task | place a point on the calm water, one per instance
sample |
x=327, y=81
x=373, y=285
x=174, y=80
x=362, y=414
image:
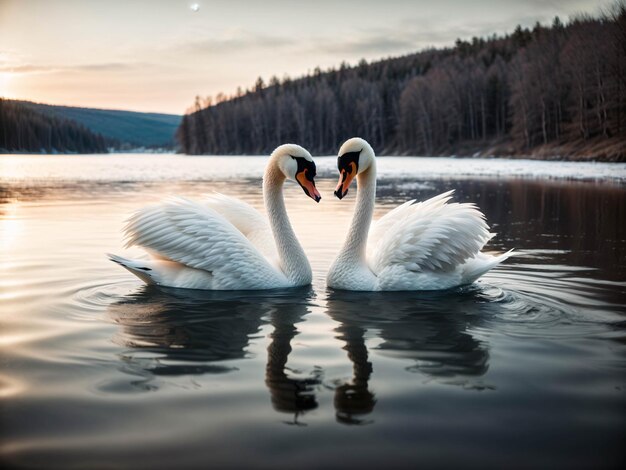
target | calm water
x=525, y=367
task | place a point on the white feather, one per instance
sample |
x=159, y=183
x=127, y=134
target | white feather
x=427, y=236
x=196, y=236
x=222, y=243
x=429, y=245
x=249, y=221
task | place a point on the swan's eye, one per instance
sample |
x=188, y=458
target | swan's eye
x=305, y=175
x=305, y=167
x=349, y=162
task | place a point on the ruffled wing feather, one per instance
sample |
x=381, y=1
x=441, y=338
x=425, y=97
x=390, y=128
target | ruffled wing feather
x=249, y=221
x=433, y=235
x=197, y=236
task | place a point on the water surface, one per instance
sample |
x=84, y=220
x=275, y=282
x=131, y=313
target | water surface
x=523, y=368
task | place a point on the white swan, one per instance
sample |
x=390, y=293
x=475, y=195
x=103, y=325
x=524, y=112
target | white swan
x=429, y=245
x=224, y=243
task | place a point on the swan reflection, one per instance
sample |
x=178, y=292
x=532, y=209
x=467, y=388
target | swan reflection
x=353, y=399
x=432, y=330
x=289, y=394
x=174, y=333
x=192, y=332
x=171, y=332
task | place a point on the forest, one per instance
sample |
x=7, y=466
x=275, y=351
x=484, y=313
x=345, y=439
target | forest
x=23, y=129
x=551, y=91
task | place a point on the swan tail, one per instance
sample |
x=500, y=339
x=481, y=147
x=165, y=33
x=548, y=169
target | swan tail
x=139, y=268
x=481, y=264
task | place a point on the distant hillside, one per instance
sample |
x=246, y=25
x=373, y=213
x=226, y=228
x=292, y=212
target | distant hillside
x=554, y=91
x=128, y=127
x=24, y=129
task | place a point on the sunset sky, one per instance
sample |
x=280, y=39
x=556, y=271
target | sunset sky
x=156, y=55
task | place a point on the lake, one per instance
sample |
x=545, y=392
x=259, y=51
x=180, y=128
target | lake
x=526, y=367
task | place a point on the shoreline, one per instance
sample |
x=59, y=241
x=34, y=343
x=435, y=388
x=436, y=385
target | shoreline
x=597, y=150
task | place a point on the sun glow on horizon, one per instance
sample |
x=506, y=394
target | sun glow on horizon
x=5, y=80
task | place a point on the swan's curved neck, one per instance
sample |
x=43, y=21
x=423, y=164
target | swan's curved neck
x=293, y=261
x=356, y=241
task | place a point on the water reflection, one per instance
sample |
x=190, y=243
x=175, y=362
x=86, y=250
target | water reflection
x=177, y=333
x=433, y=330
x=172, y=332
x=547, y=329
x=353, y=400
x=289, y=394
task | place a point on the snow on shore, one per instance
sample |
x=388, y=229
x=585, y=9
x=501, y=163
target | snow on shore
x=170, y=167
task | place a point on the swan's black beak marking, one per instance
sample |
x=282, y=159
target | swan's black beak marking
x=305, y=176
x=348, y=166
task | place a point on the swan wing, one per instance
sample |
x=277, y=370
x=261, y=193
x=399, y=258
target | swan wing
x=245, y=218
x=199, y=237
x=380, y=227
x=433, y=235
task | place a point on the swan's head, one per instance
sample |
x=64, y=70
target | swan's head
x=297, y=165
x=355, y=156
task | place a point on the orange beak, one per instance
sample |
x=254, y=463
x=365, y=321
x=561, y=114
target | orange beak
x=345, y=178
x=308, y=186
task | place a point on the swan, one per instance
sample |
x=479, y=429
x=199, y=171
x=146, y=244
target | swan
x=224, y=243
x=429, y=245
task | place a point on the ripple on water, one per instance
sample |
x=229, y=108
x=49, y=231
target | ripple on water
x=524, y=299
x=169, y=333
x=527, y=299
x=165, y=333
x=95, y=297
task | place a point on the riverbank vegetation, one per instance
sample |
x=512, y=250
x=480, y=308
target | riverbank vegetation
x=23, y=129
x=556, y=91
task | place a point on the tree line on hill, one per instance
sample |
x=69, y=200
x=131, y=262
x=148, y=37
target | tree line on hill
x=551, y=90
x=23, y=129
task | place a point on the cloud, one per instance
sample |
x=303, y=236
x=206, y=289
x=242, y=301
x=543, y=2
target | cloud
x=107, y=67
x=232, y=41
x=367, y=44
x=414, y=34
x=27, y=68
x=103, y=67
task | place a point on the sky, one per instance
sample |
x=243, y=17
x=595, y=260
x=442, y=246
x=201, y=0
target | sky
x=157, y=55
